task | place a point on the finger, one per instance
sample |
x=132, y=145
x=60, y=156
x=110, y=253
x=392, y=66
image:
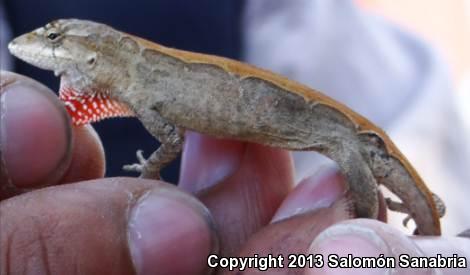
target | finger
x=292, y=236
x=252, y=180
x=315, y=203
x=318, y=202
x=88, y=158
x=35, y=139
x=320, y=190
x=370, y=238
x=206, y=161
x=36, y=144
x=108, y=226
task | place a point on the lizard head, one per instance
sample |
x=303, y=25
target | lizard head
x=86, y=56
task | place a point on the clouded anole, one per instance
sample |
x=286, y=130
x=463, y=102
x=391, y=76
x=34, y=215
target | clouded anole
x=107, y=73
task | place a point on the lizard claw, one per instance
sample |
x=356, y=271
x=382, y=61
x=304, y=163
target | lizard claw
x=406, y=220
x=136, y=167
x=399, y=207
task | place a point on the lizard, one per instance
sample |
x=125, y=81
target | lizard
x=108, y=73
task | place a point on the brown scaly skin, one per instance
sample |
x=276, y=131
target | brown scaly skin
x=170, y=90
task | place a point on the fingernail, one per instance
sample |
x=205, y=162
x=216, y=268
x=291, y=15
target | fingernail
x=320, y=190
x=206, y=161
x=170, y=234
x=34, y=136
x=342, y=240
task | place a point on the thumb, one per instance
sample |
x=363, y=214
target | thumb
x=108, y=226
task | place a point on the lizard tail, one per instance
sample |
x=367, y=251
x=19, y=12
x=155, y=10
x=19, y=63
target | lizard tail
x=391, y=169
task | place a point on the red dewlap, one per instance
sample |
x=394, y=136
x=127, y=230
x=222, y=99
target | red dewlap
x=87, y=107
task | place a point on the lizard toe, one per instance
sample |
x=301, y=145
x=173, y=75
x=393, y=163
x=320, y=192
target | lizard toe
x=133, y=167
x=140, y=157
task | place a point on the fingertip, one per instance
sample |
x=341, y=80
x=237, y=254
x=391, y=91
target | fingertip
x=319, y=190
x=208, y=160
x=446, y=245
x=107, y=226
x=348, y=238
x=253, y=190
x=88, y=158
x=361, y=238
x=35, y=133
x=292, y=236
x=185, y=234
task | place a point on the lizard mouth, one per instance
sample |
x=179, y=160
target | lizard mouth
x=91, y=106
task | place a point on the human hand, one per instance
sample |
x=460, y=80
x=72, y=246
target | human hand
x=119, y=225
x=88, y=227
x=313, y=218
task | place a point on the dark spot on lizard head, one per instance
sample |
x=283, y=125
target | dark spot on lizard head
x=373, y=138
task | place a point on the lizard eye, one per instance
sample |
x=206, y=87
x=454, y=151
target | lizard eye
x=91, y=60
x=53, y=36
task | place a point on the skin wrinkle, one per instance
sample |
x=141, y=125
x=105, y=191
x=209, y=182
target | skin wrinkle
x=45, y=253
x=8, y=254
x=228, y=99
x=32, y=245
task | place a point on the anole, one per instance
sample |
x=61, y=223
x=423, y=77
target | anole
x=107, y=73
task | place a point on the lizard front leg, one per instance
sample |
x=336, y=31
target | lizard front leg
x=171, y=138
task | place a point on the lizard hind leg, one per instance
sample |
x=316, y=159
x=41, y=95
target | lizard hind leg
x=362, y=186
x=400, y=207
